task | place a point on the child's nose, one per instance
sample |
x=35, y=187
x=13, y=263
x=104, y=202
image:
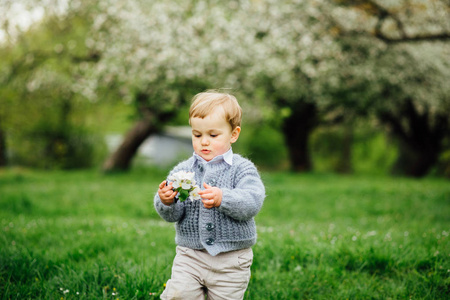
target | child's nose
x=205, y=141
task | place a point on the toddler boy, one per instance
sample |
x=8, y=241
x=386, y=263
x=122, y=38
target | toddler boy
x=214, y=235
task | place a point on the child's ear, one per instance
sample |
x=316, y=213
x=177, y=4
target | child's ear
x=235, y=134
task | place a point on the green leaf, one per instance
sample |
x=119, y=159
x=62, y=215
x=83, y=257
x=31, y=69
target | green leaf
x=183, y=195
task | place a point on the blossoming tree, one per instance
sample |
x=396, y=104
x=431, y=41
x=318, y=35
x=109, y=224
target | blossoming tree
x=397, y=68
x=284, y=45
x=307, y=59
x=299, y=53
x=43, y=52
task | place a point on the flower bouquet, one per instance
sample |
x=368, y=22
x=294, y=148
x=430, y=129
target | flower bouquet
x=183, y=182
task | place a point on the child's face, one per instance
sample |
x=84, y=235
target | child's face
x=212, y=135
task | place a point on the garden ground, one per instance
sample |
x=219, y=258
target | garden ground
x=84, y=235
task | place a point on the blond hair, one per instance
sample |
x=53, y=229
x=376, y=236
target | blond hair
x=204, y=103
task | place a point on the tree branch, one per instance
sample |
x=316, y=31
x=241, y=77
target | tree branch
x=375, y=9
x=419, y=38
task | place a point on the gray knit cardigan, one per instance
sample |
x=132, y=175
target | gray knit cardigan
x=231, y=226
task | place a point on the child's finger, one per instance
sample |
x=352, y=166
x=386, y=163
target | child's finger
x=205, y=192
x=206, y=185
x=167, y=188
x=162, y=184
x=207, y=195
x=169, y=193
x=208, y=203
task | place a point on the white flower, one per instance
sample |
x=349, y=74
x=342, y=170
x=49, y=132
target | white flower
x=183, y=179
x=188, y=181
x=184, y=183
x=194, y=195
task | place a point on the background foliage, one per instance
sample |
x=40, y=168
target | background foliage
x=300, y=68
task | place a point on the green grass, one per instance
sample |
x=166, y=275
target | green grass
x=82, y=235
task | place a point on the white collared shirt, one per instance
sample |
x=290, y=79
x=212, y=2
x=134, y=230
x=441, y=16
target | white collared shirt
x=227, y=157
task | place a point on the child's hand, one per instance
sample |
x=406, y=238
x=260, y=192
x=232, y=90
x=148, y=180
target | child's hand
x=166, y=194
x=211, y=196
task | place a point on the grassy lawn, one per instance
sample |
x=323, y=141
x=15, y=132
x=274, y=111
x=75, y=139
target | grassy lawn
x=82, y=235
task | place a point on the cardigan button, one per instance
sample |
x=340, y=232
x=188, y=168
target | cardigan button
x=200, y=168
x=209, y=226
x=210, y=241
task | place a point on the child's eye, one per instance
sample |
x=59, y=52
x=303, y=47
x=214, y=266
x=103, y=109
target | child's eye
x=213, y=135
x=197, y=135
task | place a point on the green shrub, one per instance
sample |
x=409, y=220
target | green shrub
x=358, y=149
x=328, y=148
x=51, y=147
x=443, y=165
x=264, y=145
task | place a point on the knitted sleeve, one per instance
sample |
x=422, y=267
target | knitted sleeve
x=175, y=211
x=245, y=200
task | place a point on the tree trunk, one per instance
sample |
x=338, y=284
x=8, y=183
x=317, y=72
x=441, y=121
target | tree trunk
x=296, y=130
x=121, y=159
x=420, y=138
x=415, y=162
x=152, y=118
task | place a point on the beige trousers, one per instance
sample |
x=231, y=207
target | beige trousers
x=195, y=273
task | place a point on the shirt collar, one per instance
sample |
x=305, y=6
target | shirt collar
x=227, y=157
